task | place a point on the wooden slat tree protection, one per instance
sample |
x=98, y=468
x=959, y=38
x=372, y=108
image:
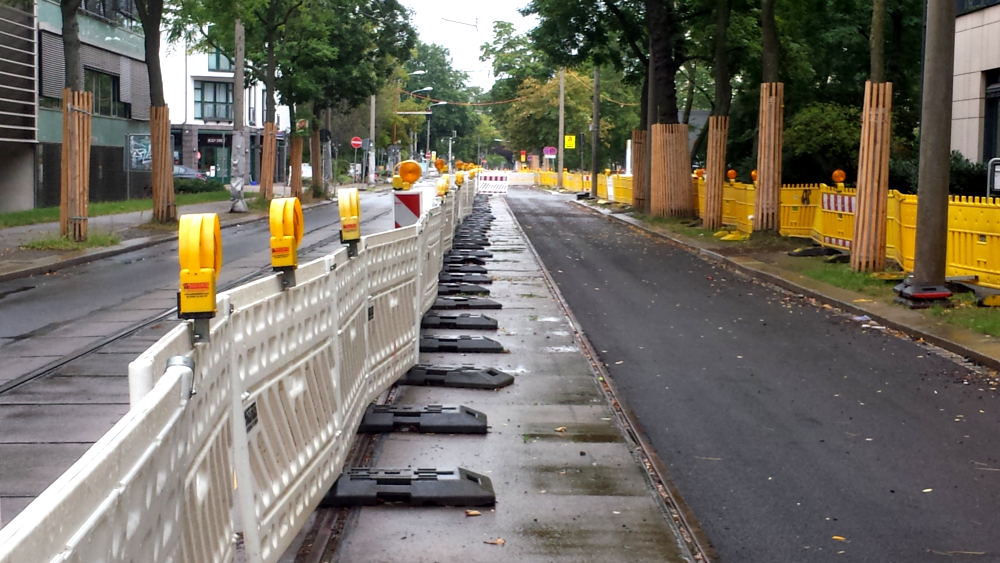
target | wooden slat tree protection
x=680, y=199
x=715, y=170
x=75, y=181
x=164, y=208
x=267, y=160
x=639, y=148
x=868, y=246
x=767, y=205
x=658, y=197
x=296, y=158
x=316, y=159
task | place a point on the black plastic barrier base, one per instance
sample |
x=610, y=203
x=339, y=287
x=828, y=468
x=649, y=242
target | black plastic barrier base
x=465, y=269
x=461, y=289
x=445, y=277
x=462, y=377
x=467, y=253
x=463, y=260
x=460, y=321
x=452, y=303
x=460, y=344
x=362, y=486
x=439, y=419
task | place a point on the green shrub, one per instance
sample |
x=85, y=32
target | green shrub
x=967, y=178
x=195, y=186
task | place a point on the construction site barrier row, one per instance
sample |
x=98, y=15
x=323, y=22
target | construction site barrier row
x=248, y=431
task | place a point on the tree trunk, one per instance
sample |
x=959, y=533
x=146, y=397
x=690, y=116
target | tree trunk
x=723, y=90
x=269, y=149
x=644, y=102
x=878, y=42
x=689, y=100
x=664, y=45
x=296, y=157
x=316, y=159
x=152, y=44
x=769, y=29
x=151, y=16
x=71, y=45
x=270, y=80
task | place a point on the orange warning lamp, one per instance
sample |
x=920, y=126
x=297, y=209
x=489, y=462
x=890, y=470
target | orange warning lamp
x=753, y=175
x=700, y=173
x=440, y=164
x=459, y=164
x=407, y=174
x=731, y=174
x=839, y=176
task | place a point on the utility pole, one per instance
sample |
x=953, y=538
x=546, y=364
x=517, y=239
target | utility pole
x=237, y=174
x=935, y=155
x=371, y=147
x=449, y=151
x=327, y=154
x=428, y=151
x=595, y=132
x=652, y=116
x=562, y=122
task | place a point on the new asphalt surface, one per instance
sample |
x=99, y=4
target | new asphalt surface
x=792, y=432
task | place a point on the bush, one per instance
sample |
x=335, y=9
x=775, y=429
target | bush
x=967, y=178
x=195, y=186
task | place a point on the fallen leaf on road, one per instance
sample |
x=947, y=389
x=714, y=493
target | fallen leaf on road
x=839, y=538
x=473, y=513
x=619, y=363
x=498, y=541
x=561, y=429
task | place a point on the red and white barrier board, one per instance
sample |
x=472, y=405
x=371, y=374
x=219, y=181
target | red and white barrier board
x=493, y=182
x=409, y=205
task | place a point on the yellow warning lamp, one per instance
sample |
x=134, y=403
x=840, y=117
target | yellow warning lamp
x=287, y=227
x=442, y=186
x=407, y=173
x=440, y=164
x=459, y=178
x=459, y=165
x=753, y=175
x=838, y=177
x=199, y=242
x=731, y=175
x=350, y=218
x=607, y=171
x=472, y=172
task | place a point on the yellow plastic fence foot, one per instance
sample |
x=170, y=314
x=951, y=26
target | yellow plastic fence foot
x=736, y=237
x=720, y=234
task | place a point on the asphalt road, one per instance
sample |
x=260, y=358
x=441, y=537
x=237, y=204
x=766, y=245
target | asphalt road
x=782, y=424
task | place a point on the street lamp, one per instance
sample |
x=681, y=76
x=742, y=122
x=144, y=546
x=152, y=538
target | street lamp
x=427, y=89
x=429, y=125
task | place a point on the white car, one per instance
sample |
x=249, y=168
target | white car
x=307, y=171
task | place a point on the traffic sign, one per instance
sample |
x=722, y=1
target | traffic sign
x=550, y=151
x=570, y=142
x=356, y=142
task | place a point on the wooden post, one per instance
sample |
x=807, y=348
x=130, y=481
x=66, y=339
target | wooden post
x=767, y=205
x=715, y=171
x=296, y=180
x=639, y=148
x=268, y=158
x=75, y=179
x=679, y=197
x=315, y=158
x=658, y=197
x=868, y=246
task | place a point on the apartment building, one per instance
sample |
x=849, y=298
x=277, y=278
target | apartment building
x=975, y=125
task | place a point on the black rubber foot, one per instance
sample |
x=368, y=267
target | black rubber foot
x=460, y=321
x=453, y=303
x=462, y=377
x=438, y=419
x=460, y=344
x=363, y=486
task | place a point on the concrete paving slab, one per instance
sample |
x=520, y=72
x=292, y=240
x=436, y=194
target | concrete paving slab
x=74, y=390
x=45, y=346
x=568, y=486
x=14, y=367
x=57, y=423
x=113, y=315
x=90, y=329
x=11, y=506
x=106, y=365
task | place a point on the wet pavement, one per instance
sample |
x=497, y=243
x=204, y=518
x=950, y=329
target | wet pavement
x=567, y=484
x=48, y=422
x=792, y=432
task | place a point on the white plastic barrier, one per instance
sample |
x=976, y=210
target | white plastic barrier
x=279, y=392
x=521, y=179
x=492, y=182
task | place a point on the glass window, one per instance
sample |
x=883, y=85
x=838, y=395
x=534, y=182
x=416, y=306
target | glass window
x=218, y=61
x=107, y=94
x=213, y=101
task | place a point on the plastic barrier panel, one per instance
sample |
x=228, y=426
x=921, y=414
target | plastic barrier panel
x=623, y=189
x=798, y=209
x=492, y=182
x=526, y=179
x=836, y=225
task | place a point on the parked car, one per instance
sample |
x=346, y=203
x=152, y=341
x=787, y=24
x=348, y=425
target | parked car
x=188, y=173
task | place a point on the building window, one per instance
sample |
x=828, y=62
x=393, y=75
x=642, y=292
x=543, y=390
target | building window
x=213, y=101
x=218, y=61
x=107, y=94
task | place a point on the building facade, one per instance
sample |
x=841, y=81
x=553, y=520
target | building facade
x=18, y=106
x=201, y=112
x=975, y=129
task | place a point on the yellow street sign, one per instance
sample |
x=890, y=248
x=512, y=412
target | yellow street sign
x=570, y=142
x=199, y=241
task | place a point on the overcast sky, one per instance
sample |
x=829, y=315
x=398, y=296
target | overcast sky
x=464, y=41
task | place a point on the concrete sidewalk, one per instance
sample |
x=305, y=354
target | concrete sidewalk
x=568, y=480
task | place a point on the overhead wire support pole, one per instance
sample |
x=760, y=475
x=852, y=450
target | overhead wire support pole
x=595, y=132
x=562, y=123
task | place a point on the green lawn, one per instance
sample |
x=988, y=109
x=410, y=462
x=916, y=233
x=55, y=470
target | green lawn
x=966, y=313
x=51, y=214
x=56, y=242
x=842, y=276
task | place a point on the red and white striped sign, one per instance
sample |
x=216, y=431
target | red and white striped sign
x=839, y=203
x=492, y=182
x=406, y=208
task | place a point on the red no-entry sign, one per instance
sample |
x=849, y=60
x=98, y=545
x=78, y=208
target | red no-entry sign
x=356, y=142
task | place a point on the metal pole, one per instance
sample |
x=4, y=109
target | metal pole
x=428, y=151
x=935, y=145
x=562, y=123
x=449, y=154
x=371, y=147
x=237, y=176
x=596, y=132
x=652, y=116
